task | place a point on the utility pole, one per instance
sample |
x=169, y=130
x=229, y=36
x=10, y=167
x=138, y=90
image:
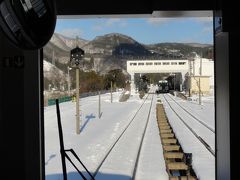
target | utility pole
x=174, y=76
x=190, y=77
x=77, y=102
x=200, y=75
x=69, y=84
x=193, y=68
x=99, y=105
x=111, y=93
x=53, y=57
x=76, y=60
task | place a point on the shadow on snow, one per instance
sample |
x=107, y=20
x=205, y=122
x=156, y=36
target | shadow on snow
x=76, y=176
x=88, y=118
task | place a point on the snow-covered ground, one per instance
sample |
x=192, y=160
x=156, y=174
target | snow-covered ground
x=99, y=134
x=203, y=161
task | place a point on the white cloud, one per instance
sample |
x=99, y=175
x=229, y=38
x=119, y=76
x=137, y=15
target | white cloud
x=98, y=28
x=207, y=29
x=187, y=40
x=159, y=21
x=113, y=21
x=71, y=32
x=207, y=24
x=117, y=22
x=204, y=19
x=198, y=37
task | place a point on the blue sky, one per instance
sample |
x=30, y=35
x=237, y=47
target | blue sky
x=144, y=30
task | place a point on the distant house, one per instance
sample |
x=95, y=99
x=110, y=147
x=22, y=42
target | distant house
x=201, y=83
x=206, y=77
x=207, y=69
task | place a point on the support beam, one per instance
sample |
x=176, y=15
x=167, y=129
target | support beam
x=133, y=87
x=21, y=112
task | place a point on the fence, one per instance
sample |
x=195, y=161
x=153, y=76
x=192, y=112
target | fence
x=62, y=99
x=51, y=102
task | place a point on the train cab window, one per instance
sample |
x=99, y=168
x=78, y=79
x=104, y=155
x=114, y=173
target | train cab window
x=148, y=63
x=127, y=105
x=133, y=64
x=165, y=63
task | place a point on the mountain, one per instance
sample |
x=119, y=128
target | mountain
x=181, y=50
x=67, y=43
x=59, y=47
x=107, y=51
x=54, y=76
x=111, y=51
x=115, y=44
x=198, y=45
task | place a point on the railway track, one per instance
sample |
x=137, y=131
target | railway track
x=203, y=141
x=118, y=147
x=194, y=117
x=178, y=163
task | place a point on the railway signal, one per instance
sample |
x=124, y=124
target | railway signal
x=76, y=60
x=200, y=76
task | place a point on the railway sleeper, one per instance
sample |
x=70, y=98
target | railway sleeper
x=180, y=170
x=163, y=123
x=178, y=163
x=170, y=148
x=166, y=131
x=173, y=155
x=165, y=127
x=182, y=178
x=166, y=141
x=177, y=166
x=166, y=135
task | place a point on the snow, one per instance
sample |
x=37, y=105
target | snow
x=152, y=164
x=203, y=161
x=122, y=159
x=53, y=73
x=127, y=92
x=206, y=134
x=98, y=135
x=205, y=111
x=47, y=66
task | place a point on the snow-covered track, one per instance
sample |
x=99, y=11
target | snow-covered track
x=142, y=139
x=178, y=163
x=191, y=114
x=204, y=141
x=115, y=153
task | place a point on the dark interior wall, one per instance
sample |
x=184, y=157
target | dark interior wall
x=230, y=12
x=33, y=116
x=222, y=106
x=11, y=113
x=19, y=88
x=75, y=7
x=20, y=112
x=230, y=22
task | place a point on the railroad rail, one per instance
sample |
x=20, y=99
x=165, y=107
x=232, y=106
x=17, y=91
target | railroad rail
x=194, y=117
x=114, y=145
x=201, y=140
x=178, y=163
